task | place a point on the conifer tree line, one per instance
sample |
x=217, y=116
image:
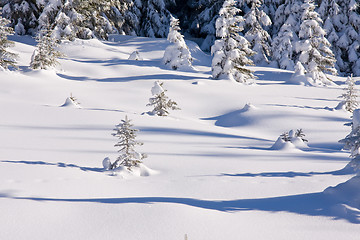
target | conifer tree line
x=277, y=31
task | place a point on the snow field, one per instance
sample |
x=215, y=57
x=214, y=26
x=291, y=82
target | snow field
x=217, y=176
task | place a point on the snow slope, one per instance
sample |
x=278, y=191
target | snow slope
x=216, y=174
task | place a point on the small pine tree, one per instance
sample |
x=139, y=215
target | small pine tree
x=350, y=96
x=177, y=55
x=45, y=54
x=160, y=101
x=300, y=134
x=6, y=58
x=285, y=136
x=231, y=51
x=352, y=141
x=127, y=141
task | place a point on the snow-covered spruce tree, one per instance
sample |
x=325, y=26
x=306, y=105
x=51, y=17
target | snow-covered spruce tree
x=283, y=45
x=127, y=141
x=287, y=9
x=315, y=53
x=177, y=55
x=342, y=25
x=350, y=96
x=125, y=15
x=6, y=58
x=231, y=52
x=62, y=18
x=258, y=38
x=352, y=141
x=155, y=18
x=23, y=15
x=46, y=53
x=198, y=19
x=162, y=104
x=93, y=18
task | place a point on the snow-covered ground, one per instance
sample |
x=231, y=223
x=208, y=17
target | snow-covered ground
x=216, y=175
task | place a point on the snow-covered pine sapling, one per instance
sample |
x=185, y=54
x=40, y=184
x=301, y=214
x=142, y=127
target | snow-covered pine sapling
x=160, y=101
x=6, y=58
x=46, y=53
x=352, y=141
x=177, y=55
x=350, y=96
x=74, y=99
x=231, y=51
x=127, y=141
x=135, y=55
x=300, y=134
x=285, y=136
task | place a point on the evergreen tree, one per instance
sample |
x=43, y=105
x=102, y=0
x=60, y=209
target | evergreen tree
x=23, y=15
x=342, y=25
x=94, y=18
x=125, y=15
x=283, y=45
x=45, y=54
x=162, y=104
x=6, y=58
x=155, y=18
x=289, y=11
x=350, y=96
x=127, y=141
x=258, y=38
x=352, y=141
x=177, y=55
x=315, y=53
x=231, y=51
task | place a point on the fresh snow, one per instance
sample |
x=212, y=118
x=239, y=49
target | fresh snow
x=210, y=171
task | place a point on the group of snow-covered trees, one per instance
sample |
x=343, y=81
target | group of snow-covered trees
x=322, y=35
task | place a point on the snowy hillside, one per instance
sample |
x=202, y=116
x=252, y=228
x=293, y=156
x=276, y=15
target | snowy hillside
x=213, y=172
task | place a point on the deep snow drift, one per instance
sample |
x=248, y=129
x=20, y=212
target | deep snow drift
x=210, y=171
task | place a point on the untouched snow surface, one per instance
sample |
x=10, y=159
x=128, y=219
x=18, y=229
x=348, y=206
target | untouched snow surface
x=216, y=174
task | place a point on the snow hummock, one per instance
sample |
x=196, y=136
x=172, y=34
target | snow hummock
x=293, y=143
x=135, y=56
x=347, y=193
x=140, y=170
x=70, y=102
x=106, y=163
x=282, y=145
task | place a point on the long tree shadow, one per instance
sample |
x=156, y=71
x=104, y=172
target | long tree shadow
x=312, y=204
x=176, y=131
x=59, y=164
x=151, y=77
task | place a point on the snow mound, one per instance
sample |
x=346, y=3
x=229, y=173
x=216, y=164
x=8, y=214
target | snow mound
x=353, y=167
x=106, y=163
x=70, y=102
x=135, y=56
x=137, y=171
x=347, y=192
x=237, y=118
x=300, y=79
x=341, y=106
x=282, y=145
